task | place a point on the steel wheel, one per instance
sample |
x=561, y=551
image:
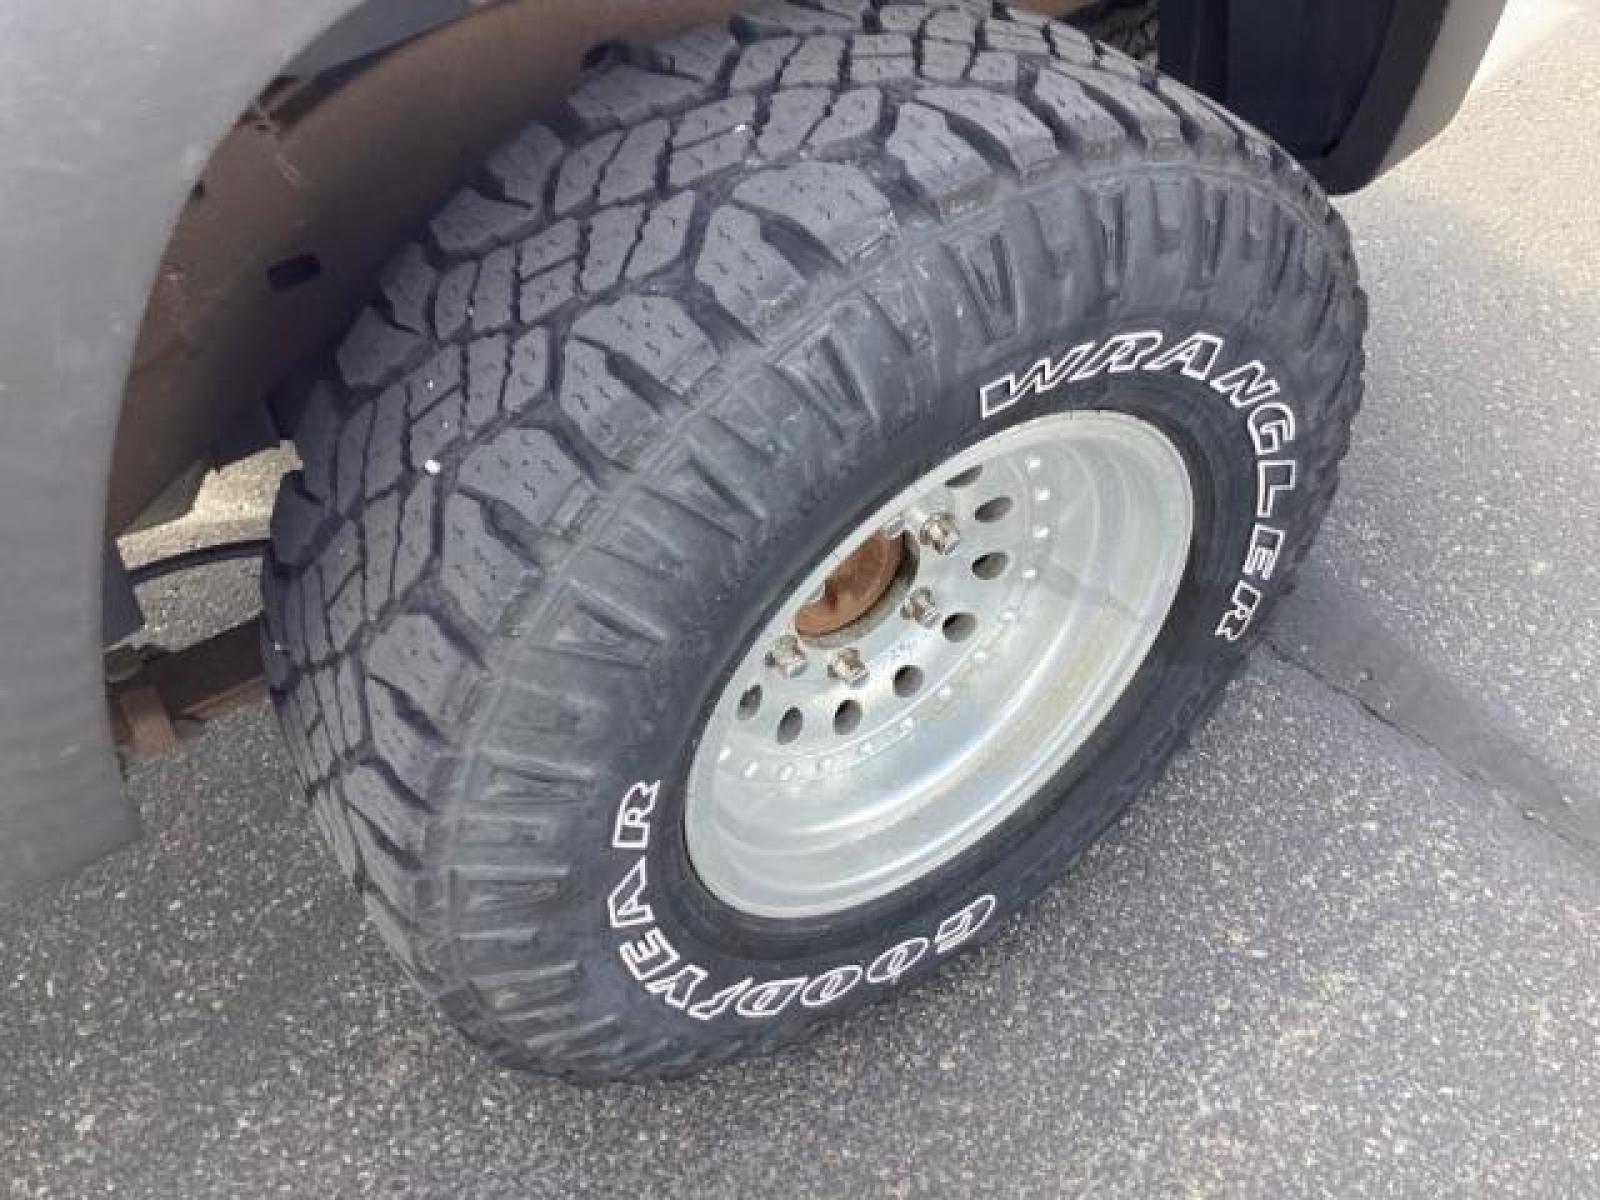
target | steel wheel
x=940, y=666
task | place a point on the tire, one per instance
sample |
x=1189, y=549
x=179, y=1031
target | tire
x=639, y=378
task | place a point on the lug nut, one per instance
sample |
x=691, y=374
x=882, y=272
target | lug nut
x=846, y=666
x=919, y=607
x=786, y=657
x=939, y=531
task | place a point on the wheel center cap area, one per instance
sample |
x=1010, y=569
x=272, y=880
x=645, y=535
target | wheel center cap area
x=854, y=588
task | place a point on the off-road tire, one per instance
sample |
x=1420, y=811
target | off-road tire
x=629, y=384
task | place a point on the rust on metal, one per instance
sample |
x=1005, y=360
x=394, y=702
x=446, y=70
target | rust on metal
x=169, y=696
x=854, y=588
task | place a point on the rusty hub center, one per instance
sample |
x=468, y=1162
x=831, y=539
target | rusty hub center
x=855, y=586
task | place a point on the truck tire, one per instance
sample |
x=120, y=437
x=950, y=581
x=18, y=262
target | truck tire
x=785, y=509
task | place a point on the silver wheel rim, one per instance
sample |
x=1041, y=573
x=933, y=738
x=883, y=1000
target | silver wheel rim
x=1041, y=565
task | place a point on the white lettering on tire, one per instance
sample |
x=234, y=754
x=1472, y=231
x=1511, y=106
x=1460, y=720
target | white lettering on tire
x=650, y=957
x=1248, y=387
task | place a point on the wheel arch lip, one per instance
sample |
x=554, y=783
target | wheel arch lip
x=112, y=111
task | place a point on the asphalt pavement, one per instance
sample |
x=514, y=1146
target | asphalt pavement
x=1349, y=947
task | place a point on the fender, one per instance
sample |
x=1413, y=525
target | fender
x=79, y=257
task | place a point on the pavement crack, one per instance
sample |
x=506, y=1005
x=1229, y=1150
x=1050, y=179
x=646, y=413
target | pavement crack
x=1328, y=631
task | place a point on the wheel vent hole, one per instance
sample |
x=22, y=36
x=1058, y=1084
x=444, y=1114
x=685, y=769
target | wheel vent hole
x=750, y=702
x=907, y=681
x=993, y=510
x=990, y=566
x=959, y=626
x=966, y=478
x=790, y=725
x=846, y=717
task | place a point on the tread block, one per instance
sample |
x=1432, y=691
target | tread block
x=416, y=658
x=550, y=248
x=411, y=756
x=626, y=95
x=487, y=365
x=316, y=442
x=472, y=223
x=433, y=433
x=952, y=25
x=495, y=290
x=698, y=53
x=902, y=18
x=816, y=62
x=791, y=115
x=545, y=293
x=998, y=68
x=386, y=449
x=945, y=62
x=662, y=237
x=1156, y=125
x=380, y=533
x=759, y=64
x=711, y=119
x=873, y=45
x=612, y=233
x=837, y=206
x=656, y=335
x=1087, y=127
x=435, y=379
x=351, y=461
x=853, y=118
x=1069, y=44
x=375, y=351
x=368, y=793
x=580, y=173
x=407, y=286
x=523, y=166
x=632, y=171
x=529, y=375
x=869, y=71
x=768, y=17
x=452, y=304
x=415, y=546
x=477, y=569
x=609, y=412
x=703, y=159
x=999, y=34
x=296, y=521
x=527, y=473
x=942, y=167
x=754, y=284
x=1000, y=121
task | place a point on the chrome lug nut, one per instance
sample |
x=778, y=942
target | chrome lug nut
x=919, y=607
x=940, y=533
x=846, y=666
x=786, y=656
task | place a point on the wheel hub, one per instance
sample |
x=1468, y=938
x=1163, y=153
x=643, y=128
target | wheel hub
x=934, y=672
x=854, y=588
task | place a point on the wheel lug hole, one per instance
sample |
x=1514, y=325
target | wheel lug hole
x=750, y=702
x=958, y=627
x=790, y=726
x=846, y=718
x=991, y=565
x=908, y=681
x=993, y=510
